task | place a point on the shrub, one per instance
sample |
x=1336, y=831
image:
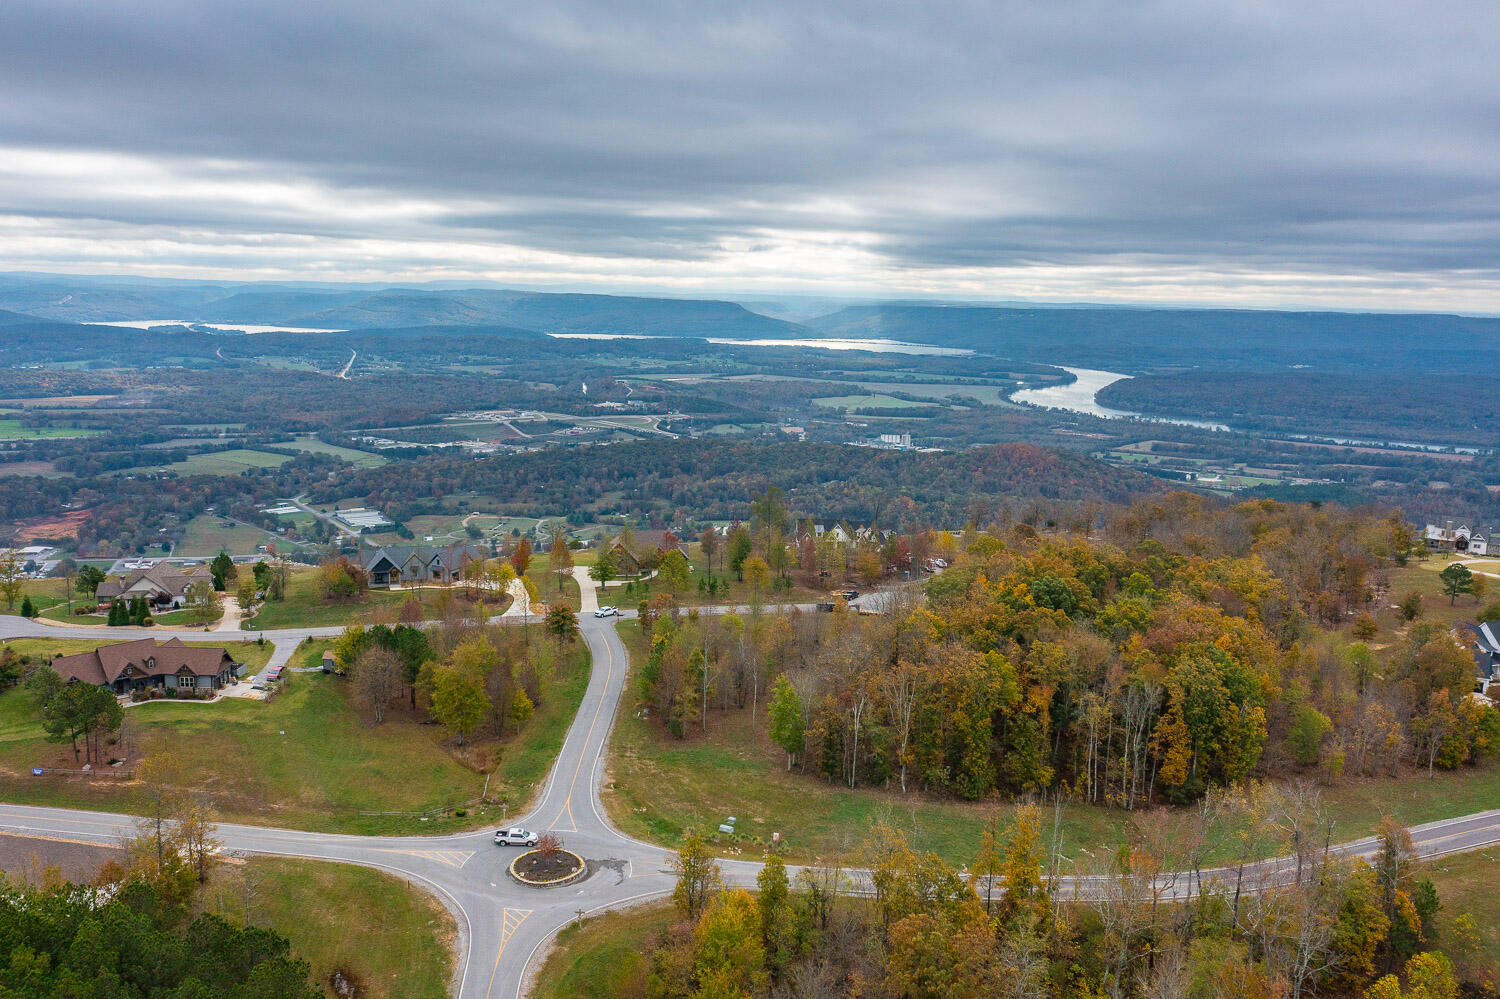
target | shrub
x=459, y=813
x=548, y=845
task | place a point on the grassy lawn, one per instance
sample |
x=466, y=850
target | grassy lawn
x=252, y=654
x=658, y=787
x=603, y=955
x=396, y=939
x=359, y=459
x=540, y=573
x=173, y=619
x=330, y=764
x=59, y=612
x=303, y=607
x=186, y=618
x=206, y=536
x=1466, y=884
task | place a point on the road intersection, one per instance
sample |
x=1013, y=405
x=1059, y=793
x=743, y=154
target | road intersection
x=504, y=927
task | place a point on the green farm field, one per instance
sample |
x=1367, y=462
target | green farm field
x=15, y=430
x=359, y=459
x=232, y=462
x=873, y=401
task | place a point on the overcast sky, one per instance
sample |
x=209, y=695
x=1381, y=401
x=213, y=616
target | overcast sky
x=1224, y=151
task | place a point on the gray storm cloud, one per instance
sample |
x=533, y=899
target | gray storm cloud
x=1241, y=151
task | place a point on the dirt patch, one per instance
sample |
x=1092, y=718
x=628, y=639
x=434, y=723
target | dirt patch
x=28, y=857
x=345, y=984
x=64, y=525
x=27, y=468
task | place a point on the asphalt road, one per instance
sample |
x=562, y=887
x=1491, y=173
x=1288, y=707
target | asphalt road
x=503, y=926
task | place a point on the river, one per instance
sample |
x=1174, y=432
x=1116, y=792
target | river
x=1080, y=397
x=874, y=345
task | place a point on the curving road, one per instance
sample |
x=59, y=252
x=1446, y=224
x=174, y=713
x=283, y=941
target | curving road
x=503, y=926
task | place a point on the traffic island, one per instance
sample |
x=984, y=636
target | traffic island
x=548, y=868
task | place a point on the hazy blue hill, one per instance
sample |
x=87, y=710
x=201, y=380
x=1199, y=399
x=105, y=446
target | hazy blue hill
x=271, y=308
x=82, y=304
x=549, y=313
x=18, y=319
x=1143, y=340
x=391, y=310
x=564, y=313
x=476, y=330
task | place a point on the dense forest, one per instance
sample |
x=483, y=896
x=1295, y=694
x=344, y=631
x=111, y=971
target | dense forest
x=701, y=479
x=1420, y=407
x=1007, y=927
x=1182, y=648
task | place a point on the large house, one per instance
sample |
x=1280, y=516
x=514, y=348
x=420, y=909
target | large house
x=146, y=663
x=1455, y=539
x=162, y=585
x=1484, y=645
x=395, y=565
x=650, y=546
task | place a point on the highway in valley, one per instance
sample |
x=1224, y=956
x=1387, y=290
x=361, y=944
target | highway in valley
x=504, y=927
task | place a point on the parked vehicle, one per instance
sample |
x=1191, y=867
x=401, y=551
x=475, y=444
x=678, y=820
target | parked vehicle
x=847, y=594
x=607, y=611
x=515, y=836
x=826, y=607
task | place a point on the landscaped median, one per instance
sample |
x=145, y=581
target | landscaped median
x=548, y=867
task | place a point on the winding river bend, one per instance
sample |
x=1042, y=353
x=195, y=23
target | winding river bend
x=1080, y=397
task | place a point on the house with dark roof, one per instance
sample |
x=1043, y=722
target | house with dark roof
x=649, y=547
x=162, y=585
x=1483, y=641
x=397, y=565
x=146, y=663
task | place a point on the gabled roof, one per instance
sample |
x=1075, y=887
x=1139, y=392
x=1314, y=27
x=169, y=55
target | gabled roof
x=450, y=557
x=108, y=663
x=163, y=576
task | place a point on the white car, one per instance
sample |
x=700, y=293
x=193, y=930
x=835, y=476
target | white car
x=607, y=611
x=515, y=837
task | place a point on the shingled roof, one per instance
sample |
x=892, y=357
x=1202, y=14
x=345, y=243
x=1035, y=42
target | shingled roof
x=108, y=663
x=165, y=577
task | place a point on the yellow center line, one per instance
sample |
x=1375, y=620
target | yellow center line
x=510, y=921
x=609, y=667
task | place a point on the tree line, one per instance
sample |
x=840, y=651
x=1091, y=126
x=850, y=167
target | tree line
x=1186, y=647
x=1007, y=927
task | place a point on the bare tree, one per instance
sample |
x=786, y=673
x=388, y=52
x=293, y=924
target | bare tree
x=377, y=679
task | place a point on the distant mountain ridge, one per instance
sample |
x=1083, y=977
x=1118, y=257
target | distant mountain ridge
x=514, y=312
x=1137, y=341
x=552, y=313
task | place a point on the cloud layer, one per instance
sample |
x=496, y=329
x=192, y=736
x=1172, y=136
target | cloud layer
x=1255, y=152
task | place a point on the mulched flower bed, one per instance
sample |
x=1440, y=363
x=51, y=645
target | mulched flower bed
x=534, y=866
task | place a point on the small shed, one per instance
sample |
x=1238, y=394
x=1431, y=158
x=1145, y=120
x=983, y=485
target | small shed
x=329, y=663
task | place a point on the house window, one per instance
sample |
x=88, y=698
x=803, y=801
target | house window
x=171, y=681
